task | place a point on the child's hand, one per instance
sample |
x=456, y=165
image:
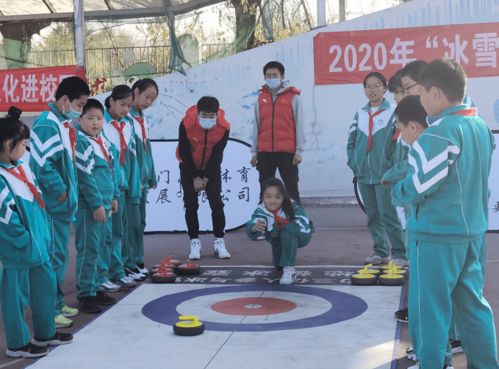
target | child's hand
x=198, y=184
x=205, y=181
x=259, y=226
x=297, y=159
x=63, y=197
x=99, y=214
x=114, y=206
x=253, y=161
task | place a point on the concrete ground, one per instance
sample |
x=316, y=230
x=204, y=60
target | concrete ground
x=341, y=238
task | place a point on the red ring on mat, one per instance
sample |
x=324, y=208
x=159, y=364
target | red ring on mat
x=253, y=306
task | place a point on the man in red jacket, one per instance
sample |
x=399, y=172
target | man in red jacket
x=278, y=137
x=203, y=135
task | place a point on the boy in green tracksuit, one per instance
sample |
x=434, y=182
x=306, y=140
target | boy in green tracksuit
x=371, y=143
x=283, y=223
x=145, y=92
x=447, y=186
x=27, y=275
x=119, y=131
x=52, y=145
x=98, y=198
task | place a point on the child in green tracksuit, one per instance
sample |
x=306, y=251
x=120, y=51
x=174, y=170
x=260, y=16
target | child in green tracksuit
x=27, y=274
x=284, y=224
x=145, y=92
x=119, y=131
x=52, y=149
x=447, y=187
x=98, y=198
x=371, y=142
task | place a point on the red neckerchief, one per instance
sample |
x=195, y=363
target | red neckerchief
x=281, y=222
x=371, y=126
x=468, y=112
x=72, y=136
x=123, y=146
x=104, y=151
x=22, y=176
x=143, y=129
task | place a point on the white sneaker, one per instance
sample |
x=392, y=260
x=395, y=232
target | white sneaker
x=411, y=355
x=109, y=287
x=195, y=249
x=219, y=249
x=288, y=275
x=417, y=366
x=401, y=263
x=143, y=270
x=374, y=260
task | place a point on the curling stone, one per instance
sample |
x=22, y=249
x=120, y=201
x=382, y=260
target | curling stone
x=188, y=325
x=188, y=268
x=367, y=269
x=168, y=261
x=163, y=275
x=363, y=278
x=391, y=279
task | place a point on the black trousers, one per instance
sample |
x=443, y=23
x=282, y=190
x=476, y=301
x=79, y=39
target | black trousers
x=269, y=162
x=191, y=204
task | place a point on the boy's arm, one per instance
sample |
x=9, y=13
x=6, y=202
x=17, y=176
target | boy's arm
x=46, y=148
x=300, y=131
x=352, y=140
x=87, y=183
x=429, y=160
x=13, y=233
x=256, y=126
x=401, y=165
x=213, y=165
x=184, y=151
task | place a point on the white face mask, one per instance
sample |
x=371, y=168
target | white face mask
x=273, y=83
x=207, y=123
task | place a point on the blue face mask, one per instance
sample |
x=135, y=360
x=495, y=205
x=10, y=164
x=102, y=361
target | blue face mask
x=73, y=114
x=273, y=83
x=207, y=123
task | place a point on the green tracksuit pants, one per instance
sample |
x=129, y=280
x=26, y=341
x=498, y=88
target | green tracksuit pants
x=119, y=226
x=90, y=243
x=105, y=254
x=285, y=245
x=133, y=240
x=40, y=292
x=382, y=219
x=58, y=253
x=447, y=281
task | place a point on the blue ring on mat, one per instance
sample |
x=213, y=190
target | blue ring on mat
x=343, y=307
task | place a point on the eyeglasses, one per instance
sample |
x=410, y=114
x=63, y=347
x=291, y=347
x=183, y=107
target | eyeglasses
x=407, y=89
x=372, y=87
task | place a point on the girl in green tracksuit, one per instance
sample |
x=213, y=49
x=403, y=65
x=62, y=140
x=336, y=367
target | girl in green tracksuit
x=145, y=92
x=52, y=160
x=447, y=188
x=371, y=143
x=98, y=198
x=284, y=224
x=118, y=129
x=27, y=275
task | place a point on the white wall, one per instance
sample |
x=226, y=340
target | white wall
x=328, y=109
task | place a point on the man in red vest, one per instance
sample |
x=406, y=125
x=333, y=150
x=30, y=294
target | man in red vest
x=278, y=137
x=203, y=135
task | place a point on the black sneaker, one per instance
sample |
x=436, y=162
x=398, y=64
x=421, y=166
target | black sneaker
x=89, y=305
x=57, y=339
x=103, y=298
x=135, y=274
x=456, y=346
x=29, y=351
x=402, y=315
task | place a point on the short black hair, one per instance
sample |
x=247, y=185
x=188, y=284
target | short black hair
x=92, y=104
x=208, y=104
x=274, y=64
x=378, y=75
x=73, y=87
x=448, y=76
x=413, y=69
x=119, y=92
x=11, y=128
x=411, y=110
x=395, y=82
x=143, y=84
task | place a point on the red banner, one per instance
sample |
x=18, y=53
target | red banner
x=347, y=57
x=30, y=89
